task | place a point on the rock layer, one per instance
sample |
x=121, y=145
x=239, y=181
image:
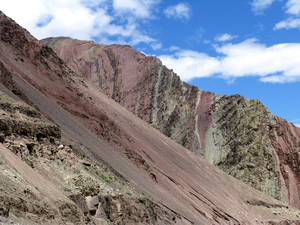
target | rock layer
x=236, y=134
x=141, y=84
x=242, y=147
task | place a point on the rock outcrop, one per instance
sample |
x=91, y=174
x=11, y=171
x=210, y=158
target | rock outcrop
x=236, y=134
x=97, y=163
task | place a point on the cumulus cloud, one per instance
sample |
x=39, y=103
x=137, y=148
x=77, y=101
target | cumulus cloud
x=225, y=37
x=180, y=11
x=83, y=19
x=258, y=6
x=276, y=64
x=293, y=9
x=190, y=64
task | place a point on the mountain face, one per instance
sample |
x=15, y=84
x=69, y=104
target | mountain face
x=238, y=135
x=69, y=154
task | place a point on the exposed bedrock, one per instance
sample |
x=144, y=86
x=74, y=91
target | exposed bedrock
x=251, y=144
x=236, y=134
x=241, y=145
x=141, y=84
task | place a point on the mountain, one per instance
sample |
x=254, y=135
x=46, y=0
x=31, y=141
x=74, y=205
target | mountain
x=70, y=154
x=238, y=135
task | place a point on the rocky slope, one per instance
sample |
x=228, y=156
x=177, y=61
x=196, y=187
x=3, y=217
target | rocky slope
x=78, y=193
x=238, y=135
x=75, y=156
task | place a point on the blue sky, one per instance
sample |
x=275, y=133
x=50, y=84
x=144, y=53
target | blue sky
x=249, y=47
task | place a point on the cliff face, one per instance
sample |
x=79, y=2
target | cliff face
x=141, y=84
x=242, y=145
x=238, y=135
x=256, y=147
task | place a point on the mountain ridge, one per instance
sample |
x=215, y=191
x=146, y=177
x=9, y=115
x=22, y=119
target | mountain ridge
x=160, y=181
x=148, y=89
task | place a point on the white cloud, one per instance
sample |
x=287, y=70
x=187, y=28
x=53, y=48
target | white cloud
x=225, y=37
x=180, y=11
x=288, y=23
x=156, y=46
x=190, y=64
x=292, y=8
x=277, y=64
x=297, y=124
x=280, y=79
x=138, y=8
x=83, y=19
x=173, y=48
x=258, y=6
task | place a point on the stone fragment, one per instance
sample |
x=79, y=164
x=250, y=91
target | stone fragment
x=85, y=162
x=81, y=202
x=100, y=212
x=92, y=203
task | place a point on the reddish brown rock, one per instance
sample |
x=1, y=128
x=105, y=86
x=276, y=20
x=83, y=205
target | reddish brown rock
x=230, y=132
x=285, y=138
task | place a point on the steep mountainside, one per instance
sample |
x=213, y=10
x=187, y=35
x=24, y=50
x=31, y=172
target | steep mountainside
x=238, y=135
x=75, y=156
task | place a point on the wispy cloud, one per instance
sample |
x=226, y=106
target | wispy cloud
x=180, y=11
x=172, y=48
x=196, y=38
x=293, y=9
x=259, y=27
x=225, y=37
x=276, y=64
x=296, y=122
x=136, y=8
x=156, y=46
x=258, y=6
